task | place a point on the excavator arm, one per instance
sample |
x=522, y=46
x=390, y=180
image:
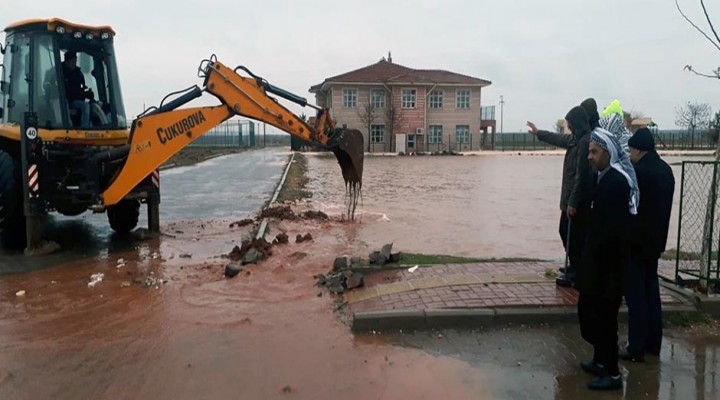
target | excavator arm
x=160, y=133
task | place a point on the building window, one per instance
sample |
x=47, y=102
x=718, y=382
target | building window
x=435, y=134
x=377, y=133
x=463, y=98
x=487, y=113
x=408, y=98
x=349, y=98
x=436, y=99
x=462, y=134
x=377, y=98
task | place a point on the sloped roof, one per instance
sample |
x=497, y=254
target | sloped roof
x=388, y=72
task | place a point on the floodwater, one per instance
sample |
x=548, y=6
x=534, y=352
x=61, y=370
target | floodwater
x=163, y=323
x=483, y=206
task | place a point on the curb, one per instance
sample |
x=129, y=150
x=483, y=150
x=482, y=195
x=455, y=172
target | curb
x=263, y=224
x=410, y=319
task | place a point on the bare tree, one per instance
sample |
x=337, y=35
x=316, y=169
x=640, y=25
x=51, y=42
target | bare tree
x=393, y=117
x=560, y=126
x=693, y=117
x=714, y=39
x=368, y=115
x=714, y=131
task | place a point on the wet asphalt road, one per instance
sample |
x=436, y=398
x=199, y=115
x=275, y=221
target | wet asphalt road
x=542, y=363
x=230, y=187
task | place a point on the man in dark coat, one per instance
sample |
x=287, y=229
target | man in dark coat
x=649, y=236
x=605, y=256
x=576, y=186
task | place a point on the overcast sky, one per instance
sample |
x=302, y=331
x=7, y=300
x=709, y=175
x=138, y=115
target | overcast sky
x=542, y=56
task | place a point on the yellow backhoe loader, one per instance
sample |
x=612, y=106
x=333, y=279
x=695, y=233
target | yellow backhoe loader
x=64, y=142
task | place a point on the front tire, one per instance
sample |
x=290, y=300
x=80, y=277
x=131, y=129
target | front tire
x=123, y=216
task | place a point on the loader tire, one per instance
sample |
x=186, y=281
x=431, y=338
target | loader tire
x=123, y=216
x=8, y=194
x=12, y=218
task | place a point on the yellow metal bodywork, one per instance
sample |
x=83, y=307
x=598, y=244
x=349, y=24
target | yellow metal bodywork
x=53, y=23
x=157, y=137
x=115, y=137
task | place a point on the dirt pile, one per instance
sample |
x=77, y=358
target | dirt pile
x=242, y=222
x=279, y=212
x=286, y=213
x=259, y=245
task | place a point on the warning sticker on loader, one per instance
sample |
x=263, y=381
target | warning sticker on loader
x=31, y=133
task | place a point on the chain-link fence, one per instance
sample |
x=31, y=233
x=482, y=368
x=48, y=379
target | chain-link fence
x=699, y=225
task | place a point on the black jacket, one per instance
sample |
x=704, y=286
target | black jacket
x=74, y=84
x=577, y=176
x=607, y=251
x=650, y=226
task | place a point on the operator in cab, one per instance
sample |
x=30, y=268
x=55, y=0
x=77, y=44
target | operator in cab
x=76, y=90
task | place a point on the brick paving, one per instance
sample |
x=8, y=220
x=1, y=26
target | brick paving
x=465, y=286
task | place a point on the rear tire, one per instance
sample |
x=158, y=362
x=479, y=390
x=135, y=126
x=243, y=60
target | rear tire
x=12, y=217
x=8, y=194
x=123, y=216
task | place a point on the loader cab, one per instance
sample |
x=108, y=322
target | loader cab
x=33, y=75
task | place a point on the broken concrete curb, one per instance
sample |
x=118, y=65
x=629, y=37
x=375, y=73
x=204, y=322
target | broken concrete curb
x=409, y=319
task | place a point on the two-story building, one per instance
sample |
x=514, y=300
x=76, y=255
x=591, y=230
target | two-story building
x=400, y=109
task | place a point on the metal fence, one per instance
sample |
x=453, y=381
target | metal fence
x=699, y=224
x=665, y=140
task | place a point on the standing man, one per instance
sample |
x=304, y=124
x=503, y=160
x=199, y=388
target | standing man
x=649, y=236
x=576, y=186
x=605, y=257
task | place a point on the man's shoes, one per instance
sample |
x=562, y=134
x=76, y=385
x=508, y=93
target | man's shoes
x=625, y=354
x=592, y=367
x=606, y=382
x=566, y=280
x=567, y=270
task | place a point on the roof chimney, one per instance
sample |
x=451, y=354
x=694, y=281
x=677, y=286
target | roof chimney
x=389, y=59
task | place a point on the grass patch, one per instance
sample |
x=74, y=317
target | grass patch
x=688, y=319
x=550, y=273
x=294, y=187
x=413, y=258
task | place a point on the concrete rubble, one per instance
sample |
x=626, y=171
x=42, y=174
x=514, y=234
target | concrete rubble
x=349, y=272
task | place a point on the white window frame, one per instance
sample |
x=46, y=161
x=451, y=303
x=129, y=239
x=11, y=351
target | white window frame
x=409, y=98
x=349, y=99
x=463, y=105
x=381, y=99
x=377, y=130
x=435, y=100
x=435, y=134
x=465, y=131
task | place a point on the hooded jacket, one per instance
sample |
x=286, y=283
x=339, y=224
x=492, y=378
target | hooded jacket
x=577, y=176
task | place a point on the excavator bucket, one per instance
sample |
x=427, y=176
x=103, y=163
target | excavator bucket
x=347, y=145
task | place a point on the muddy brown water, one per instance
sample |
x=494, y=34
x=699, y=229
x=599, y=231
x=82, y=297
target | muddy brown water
x=266, y=334
x=484, y=206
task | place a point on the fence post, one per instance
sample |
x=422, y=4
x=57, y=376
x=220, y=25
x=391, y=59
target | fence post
x=680, y=219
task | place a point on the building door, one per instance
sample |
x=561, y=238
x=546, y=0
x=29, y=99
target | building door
x=400, y=143
x=410, y=143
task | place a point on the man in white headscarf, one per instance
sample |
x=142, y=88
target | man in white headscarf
x=606, y=256
x=613, y=121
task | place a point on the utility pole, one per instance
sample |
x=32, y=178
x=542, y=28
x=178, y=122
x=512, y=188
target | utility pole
x=264, y=127
x=502, y=103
